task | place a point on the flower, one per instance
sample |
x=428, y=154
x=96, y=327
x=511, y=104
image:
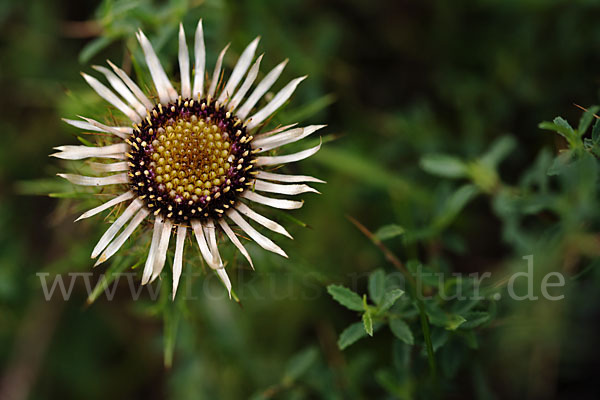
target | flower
x=191, y=160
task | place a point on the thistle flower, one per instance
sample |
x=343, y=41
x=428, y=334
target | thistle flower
x=192, y=161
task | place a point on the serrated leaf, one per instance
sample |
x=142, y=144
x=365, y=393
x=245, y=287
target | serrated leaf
x=560, y=126
x=346, y=297
x=439, y=317
x=389, y=298
x=351, y=334
x=368, y=323
x=454, y=321
x=402, y=331
x=444, y=165
x=389, y=232
x=475, y=319
x=377, y=286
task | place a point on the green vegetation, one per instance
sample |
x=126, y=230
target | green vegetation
x=438, y=171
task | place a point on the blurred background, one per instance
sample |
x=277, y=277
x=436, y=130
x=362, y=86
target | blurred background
x=432, y=144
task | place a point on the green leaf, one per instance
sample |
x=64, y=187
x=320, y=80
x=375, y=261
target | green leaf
x=116, y=268
x=439, y=317
x=305, y=112
x=390, y=382
x=596, y=132
x=454, y=205
x=389, y=298
x=93, y=48
x=351, y=334
x=366, y=171
x=85, y=142
x=499, y=150
x=402, y=331
x=560, y=163
x=439, y=338
x=368, y=323
x=299, y=364
x=346, y=297
x=389, y=232
x=171, y=322
x=377, y=286
x=562, y=127
x=475, y=319
x=586, y=120
x=444, y=165
x=454, y=321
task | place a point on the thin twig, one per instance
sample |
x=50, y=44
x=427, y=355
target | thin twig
x=391, y=257
x=585, y=109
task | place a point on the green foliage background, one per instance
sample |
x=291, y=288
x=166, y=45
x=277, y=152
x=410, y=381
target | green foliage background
x=432, y=144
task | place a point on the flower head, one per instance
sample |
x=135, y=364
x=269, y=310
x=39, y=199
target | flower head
x=192, y=161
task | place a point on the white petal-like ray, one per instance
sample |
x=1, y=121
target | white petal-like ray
x=199, y=62
x=161, y=252
x=112, y=167
x=270, y=176
x=211, y=237
x=122, y=89
x=261, y=140
x=165, y=90
x=301, y=155
x=112, y=98
x=119, y=199
x=178, y=259
x=280, y=98
x=116, y=226
x=204, y=249
x=263, y=186
x=274, y=131
x=250, y=78
x=283, y=138
x=210, y=234
x=78, y=152
x=260, y=90
x=261, y=240
x=156, y=234
x=234, y=239
x=264, y=221
x=117, y=131
x=123, y=131
x=217, y=72
x=271, y=202
x=116, y=244
x=222, y=274
x=184, y=65
x=96, y=180
x=120, y=156
x=239, y=70
x=135, y=89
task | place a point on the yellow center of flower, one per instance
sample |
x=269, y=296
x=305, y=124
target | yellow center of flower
x=190, y=157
